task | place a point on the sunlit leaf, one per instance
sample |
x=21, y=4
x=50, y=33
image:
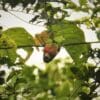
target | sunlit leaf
x=83, y=2
x=66, y=33
x=21, y=38
x=7, y=42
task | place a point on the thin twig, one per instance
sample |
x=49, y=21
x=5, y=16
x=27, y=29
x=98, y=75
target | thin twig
x=80, y=43
x=23, y=19
x=67, y=44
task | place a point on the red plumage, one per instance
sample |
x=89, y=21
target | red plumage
x=50, y=51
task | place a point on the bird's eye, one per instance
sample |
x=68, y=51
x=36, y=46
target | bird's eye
x=47, y=57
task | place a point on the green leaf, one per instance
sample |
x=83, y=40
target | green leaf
x=71, y=5
x=82, y=2
x=13, y=81
x=27, y=73
x=13, y=73
x=12, y=97
x=22, y=38
x=96, y=21
x=86, y=89
x=67, y=33
x=29, y=50
x=2, y=89
x=61, y=90
x=7, y=55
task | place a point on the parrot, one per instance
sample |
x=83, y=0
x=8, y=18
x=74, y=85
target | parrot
x=50, y=51
x=60, y=34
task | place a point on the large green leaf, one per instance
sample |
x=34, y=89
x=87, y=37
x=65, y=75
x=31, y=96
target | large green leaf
x=83, y=2
x=7, y=55
x=21, y=37
x=68, y=33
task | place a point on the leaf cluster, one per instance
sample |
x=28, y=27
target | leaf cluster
x=48, y=12
x=70, y=81
x=9, y=41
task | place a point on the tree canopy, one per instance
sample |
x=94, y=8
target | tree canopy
x=61, y=79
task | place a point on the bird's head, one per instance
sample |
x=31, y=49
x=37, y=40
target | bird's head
x=50, y=51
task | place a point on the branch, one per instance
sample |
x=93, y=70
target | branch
x=22, y=19
x=80, y=43
x=18, y=11
x=67, y=44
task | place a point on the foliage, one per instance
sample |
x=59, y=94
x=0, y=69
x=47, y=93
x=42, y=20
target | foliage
x=6, y=42
x=59, y=81
x=63, y=33
x=67, y=33
x=50, y=13
x=10, y=41
x=55, y=82
x=15, y=33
